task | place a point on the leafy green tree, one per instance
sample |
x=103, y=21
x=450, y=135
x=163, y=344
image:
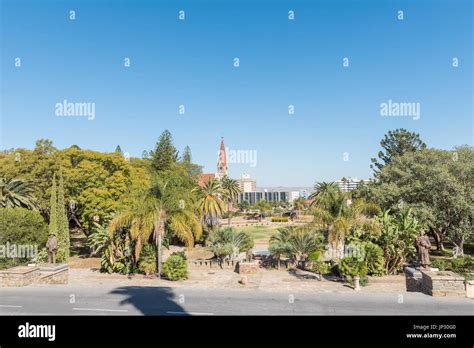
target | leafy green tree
x=94, y=182
x=165, y=154
x=437, y=185
x=22, y=226
x=396, y=143
x=44, y=147
x=264, y=207
x=244, y=205
x=230, y=190
x=16, y=193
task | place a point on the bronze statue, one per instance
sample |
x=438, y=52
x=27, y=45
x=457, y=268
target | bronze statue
x=423, y=246
x=52, y=245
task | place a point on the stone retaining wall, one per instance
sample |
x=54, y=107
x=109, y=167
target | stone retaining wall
x=54, y=274
x=19, y=276
x=444, y=283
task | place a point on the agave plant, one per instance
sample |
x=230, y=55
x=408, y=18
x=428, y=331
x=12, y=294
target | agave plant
x=16, y=193
x=228, y=243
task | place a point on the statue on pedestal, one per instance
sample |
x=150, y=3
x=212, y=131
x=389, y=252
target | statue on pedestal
x=52, y=245
x=423, y=247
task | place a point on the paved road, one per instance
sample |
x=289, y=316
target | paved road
x=129, y=300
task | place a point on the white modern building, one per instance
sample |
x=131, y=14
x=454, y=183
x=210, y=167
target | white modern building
x=349, y=184
x=279, y=194
x=247, y=184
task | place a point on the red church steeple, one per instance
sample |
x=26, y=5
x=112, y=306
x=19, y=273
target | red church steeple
x=222, y=160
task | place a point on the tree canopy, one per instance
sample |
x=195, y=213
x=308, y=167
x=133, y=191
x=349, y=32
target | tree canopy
x=396, y=143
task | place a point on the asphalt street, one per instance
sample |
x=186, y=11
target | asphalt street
x=131, y=300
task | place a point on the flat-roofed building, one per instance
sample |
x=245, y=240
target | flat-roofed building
x=247, y=184
x=349, y=184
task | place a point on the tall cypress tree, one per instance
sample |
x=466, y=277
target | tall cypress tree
x=63, y=224
x=53, y=209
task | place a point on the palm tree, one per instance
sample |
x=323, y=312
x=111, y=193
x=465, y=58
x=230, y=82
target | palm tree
x=279, y=243
x=323, y=190
x=16, y=193
x=210, y=204
x=295, y=242
x=333, y=209
x=303, y=241
x=155, y=211
x=230, y=191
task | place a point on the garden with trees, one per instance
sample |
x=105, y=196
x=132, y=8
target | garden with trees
x=131, y=208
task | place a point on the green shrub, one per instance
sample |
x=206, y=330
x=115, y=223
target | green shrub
x=349, y=267
x=462, y=264
x=280, y=219
x=26, y=230
x=373, y=257
x=180, y=254
x=363, y=281
x=321, y=267
x=22, y=226
x=314, y=256
x=175, y=268
x=147, y=262
x=441, y=264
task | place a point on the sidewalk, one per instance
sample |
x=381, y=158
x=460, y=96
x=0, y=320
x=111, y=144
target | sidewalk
x=266, y=280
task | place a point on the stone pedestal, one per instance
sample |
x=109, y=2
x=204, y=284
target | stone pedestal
x=19, y=276
x=440, y=284
x=54, y=273
x=252, y=267
x=470, y=289
x=413, y=279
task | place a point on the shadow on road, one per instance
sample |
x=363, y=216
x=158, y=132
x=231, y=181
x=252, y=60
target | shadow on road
x=151, y=300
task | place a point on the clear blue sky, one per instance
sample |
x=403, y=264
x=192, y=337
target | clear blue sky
x=282, y=62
